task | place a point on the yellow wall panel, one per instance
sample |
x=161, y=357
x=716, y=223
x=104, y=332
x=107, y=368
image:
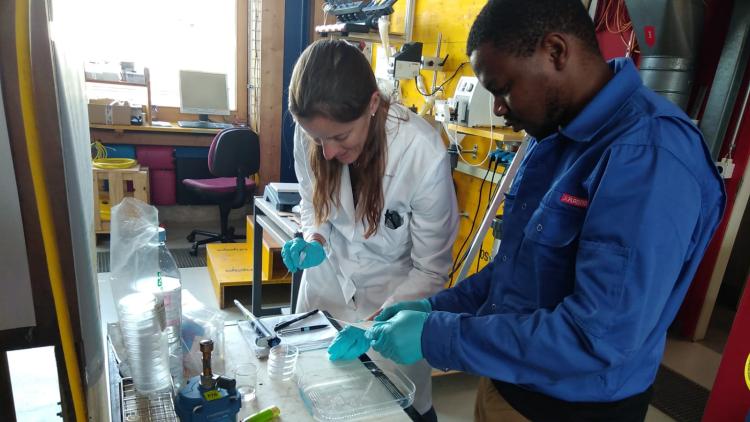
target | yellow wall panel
x=453, y=20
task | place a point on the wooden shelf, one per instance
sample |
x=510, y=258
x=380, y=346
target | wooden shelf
x=147, y=128
x=125, y=83
x=146, y=84
x=498, y=134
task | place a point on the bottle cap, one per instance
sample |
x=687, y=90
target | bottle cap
x=162, y=234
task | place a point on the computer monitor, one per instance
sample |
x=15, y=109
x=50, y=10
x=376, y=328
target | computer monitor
x=203, y=93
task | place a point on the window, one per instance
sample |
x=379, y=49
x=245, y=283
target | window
x=165, y=36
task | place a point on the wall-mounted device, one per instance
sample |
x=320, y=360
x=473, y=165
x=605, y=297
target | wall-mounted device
x=406, y=63
x=470, y=106
x=354, y=16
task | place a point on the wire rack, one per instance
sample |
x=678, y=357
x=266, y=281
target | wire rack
x=154, y=408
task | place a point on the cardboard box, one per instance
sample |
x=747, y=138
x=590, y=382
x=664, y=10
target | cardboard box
x=100, y=111
x=106, y=111
x=121, y=113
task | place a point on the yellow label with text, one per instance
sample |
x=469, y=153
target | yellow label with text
x=212, y=395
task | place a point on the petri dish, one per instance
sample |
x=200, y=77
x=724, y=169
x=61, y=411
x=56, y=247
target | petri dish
x=352, y=390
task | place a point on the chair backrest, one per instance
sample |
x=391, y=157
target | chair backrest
x=234, y=152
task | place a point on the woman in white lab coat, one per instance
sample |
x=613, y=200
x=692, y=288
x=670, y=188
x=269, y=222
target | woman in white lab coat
x=379, y=212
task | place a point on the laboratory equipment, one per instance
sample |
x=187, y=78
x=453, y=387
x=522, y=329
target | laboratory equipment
x=355, y=16
x=142, y=326
x=282, y=362
x=283, y=196
x=353, y=390
x=206, y=397
x=471, y=105
x=264, y=338
x=406, y=63
x=246, y=377
x=167, y=288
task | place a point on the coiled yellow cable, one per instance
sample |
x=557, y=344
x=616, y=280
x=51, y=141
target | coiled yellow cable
x=101, y=161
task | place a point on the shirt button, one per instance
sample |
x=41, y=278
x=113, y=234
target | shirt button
x=539, y=227
x=505, y=258
x=523, y=206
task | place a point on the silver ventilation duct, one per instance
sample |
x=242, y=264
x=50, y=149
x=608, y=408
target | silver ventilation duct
x=668, y=32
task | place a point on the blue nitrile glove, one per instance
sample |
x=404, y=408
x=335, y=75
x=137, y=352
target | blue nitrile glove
x=422, y=305
x=349, y=344
x=291, y=253
x=400, y=338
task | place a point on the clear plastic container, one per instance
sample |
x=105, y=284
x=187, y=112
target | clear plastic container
x=167, y=288
x=282, y=362
x=143, y=335
x=354, y=390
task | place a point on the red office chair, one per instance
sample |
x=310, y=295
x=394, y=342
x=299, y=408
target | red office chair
x=233, y=157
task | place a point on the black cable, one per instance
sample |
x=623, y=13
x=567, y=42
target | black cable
x=434, y=91
x=460, y=262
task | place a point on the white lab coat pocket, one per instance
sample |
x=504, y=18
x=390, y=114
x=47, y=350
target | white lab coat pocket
x=390, y=242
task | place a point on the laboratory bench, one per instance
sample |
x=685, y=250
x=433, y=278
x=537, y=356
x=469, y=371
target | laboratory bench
x=173, y=135
x=285, y=395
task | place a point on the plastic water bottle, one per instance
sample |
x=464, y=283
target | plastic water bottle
x=167, y=288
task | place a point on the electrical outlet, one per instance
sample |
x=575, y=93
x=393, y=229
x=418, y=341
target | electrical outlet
x=725, y=167
x=475, y=151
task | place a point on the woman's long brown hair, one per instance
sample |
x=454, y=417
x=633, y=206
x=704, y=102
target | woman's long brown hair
x=333, y=79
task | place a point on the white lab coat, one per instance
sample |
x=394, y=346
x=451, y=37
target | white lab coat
x=410, y=262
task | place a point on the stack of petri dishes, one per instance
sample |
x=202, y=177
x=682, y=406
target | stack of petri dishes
x=282, y=361
x=142, y=324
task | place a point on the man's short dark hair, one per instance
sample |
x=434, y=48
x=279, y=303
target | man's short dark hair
x=517, y=26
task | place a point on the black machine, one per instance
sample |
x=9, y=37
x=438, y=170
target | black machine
x=355, y=16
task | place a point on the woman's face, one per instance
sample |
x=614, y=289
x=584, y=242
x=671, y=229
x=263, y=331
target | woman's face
x=341, y=141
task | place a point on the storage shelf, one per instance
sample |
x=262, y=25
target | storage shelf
x=497, y=134
x=124, y=83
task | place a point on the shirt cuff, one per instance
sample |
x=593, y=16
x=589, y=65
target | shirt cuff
x=438, y=336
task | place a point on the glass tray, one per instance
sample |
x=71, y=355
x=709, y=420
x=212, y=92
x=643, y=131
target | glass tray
x=354, y=390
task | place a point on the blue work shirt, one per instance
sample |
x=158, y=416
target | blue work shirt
x=603, y=229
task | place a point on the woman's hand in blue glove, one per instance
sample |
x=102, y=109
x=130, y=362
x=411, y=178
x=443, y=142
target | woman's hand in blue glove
x=349, y=344
x=299, y=254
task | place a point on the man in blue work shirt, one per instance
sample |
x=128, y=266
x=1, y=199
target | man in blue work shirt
x=604, y=226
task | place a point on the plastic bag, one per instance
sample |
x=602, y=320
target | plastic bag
x=200, y=323
x=134, y=245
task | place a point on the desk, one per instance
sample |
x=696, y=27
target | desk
x=152, y=135
x=282, y=229
x=283, y=394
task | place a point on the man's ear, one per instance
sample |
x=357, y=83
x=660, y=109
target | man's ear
x=556, y=47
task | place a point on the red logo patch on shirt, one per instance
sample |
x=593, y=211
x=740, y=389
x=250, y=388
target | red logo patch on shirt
x=574, y=200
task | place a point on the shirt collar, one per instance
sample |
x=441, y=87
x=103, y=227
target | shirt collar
x=606, y=103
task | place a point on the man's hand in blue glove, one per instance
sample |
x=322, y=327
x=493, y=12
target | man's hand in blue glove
x=400, y=338
x=348, y=344
x=299, y=254
x=422, y=305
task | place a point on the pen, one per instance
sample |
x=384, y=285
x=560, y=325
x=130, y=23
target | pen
x=302, y=329
x=285, y=324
